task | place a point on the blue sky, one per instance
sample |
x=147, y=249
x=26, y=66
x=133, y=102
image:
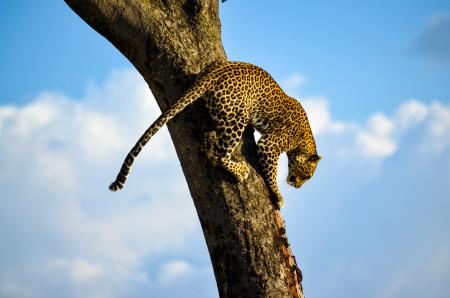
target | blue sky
x=374, y=77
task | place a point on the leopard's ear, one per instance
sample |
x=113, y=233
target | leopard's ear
x=314, y=158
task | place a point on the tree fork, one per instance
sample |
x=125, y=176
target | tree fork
x=170, y=42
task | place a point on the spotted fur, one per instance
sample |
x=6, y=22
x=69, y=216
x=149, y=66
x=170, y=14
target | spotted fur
x=238, y=94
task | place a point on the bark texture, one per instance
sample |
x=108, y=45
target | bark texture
x=170, y=42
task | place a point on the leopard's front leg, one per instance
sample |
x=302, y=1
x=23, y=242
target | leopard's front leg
x=268, y=155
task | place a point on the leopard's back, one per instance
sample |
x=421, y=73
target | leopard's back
x=239, y=87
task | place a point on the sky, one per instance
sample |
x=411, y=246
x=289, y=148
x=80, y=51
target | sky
x=374, y=221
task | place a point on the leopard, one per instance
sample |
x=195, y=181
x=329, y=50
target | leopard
x=236, y=95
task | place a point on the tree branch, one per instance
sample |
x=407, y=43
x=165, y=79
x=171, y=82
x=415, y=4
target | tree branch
x=170, y=42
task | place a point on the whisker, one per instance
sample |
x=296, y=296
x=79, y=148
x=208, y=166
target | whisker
x=282, y=182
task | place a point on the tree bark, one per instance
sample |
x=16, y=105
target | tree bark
x=170, y=42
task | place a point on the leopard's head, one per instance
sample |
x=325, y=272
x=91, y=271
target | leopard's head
x=301, y=168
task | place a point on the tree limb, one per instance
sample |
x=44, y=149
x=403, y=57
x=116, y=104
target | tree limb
x=170, y=42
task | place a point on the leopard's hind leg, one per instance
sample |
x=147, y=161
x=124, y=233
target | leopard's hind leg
x=226, y=139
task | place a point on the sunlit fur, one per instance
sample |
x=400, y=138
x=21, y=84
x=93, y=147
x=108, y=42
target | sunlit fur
x=301, y=168
x=236, y=95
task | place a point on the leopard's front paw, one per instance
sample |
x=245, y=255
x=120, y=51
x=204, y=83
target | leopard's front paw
x=242, y=171
x=245, y=171
x=280, y=202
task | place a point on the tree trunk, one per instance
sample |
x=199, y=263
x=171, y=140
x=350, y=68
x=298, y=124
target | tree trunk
x=170, y=42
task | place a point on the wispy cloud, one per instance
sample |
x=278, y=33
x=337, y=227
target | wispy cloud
x=58, y=156
x=293, y=83
x=67, y=233
x=380, y=136
x=172, y=270
x=434, y=42
x=378, y=202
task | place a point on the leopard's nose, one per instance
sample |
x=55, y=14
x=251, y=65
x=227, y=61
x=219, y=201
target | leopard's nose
x=291, y=179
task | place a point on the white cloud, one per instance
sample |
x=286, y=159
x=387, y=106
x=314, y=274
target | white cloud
x=173, y=270
x=319, y=116
x=62, y=227
x=439, y=127
x=80, y=269
x=380, y=193
x=411, y=113
x=376, y=140
x=100, y=136
x=50, y=168
x=58, y=156
x=382, y=134
x=293, y=83
x=35, y=116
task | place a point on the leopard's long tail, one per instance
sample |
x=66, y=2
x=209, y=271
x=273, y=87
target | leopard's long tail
x=192, y=95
